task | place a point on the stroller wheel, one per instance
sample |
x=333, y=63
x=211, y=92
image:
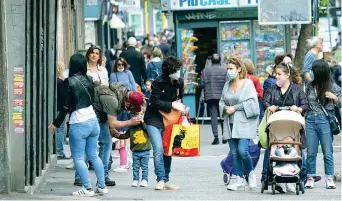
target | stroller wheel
x=302, y=187
x=297, y=188
x=273, y=188
x=226, y=178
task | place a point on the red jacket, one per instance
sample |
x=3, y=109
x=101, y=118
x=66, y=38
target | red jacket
x=257, y=85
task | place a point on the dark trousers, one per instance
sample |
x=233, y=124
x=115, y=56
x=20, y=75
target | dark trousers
x=213, y=109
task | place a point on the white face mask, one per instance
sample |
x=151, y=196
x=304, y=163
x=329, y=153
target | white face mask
x=121, y=69
x=151, y=43
x=175, y=76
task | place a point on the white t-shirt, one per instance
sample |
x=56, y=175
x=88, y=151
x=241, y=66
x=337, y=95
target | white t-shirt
x=82, y=115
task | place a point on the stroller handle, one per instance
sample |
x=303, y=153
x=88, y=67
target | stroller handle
x=283, y=108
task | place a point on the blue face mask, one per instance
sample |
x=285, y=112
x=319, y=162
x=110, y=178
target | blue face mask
x=231, y=75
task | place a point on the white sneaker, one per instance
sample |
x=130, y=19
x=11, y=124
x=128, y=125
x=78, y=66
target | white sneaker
x=160, y=185
x=291, y=187
x=101, y=191
x=135, y=183
x=237, y=184
x=70, y=166
x=310, y=183
x=170, y=186
x=143, y=183
x=122, y=168
x=84, y=193
x=252, y=180
x=329, y=183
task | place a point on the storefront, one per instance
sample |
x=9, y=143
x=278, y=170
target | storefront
x=228, y=27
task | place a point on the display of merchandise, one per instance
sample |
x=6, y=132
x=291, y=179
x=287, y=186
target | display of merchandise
x=188, y=59
x=235, y=40
x=269, y=42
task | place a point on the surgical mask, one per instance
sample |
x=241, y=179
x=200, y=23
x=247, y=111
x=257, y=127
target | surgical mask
x=281, y=82
x=151, y=43
x=175, y=76
x=231, y=75
x=121, y=69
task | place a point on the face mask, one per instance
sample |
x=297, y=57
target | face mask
x=175, y=76
x=231, y=75
x=281, y=82
x=151, y=43
x=121, y=69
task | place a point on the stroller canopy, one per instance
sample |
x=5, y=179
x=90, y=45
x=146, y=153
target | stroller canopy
x=285, y=122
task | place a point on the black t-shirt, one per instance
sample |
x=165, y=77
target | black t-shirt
x=285, y=99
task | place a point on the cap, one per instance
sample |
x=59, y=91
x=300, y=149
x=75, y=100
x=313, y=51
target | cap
x=136, y=99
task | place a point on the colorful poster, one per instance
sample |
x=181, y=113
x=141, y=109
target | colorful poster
x=18, y=77
x=18, y=123
x=18, y=102
x=17, y=116
x=18, y=91
x=19, y=130
x=18, y=85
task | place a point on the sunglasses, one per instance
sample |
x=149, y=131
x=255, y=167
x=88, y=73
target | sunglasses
x=96, y=47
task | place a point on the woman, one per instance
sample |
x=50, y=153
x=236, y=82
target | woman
x=122, y=75
x=154, y=68
x=100, y=76
x=286, y=93
x=167, y=93
x=321, y=92
x=84, y=127
x=240, y=109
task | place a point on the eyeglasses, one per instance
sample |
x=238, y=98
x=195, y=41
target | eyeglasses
x=120, y=65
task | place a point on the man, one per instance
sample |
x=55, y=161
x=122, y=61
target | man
x=165, y=48
x=315, y=45
x=213, y=79
x=136, y=61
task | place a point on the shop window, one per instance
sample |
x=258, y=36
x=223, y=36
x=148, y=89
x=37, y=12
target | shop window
x=136, y=22
x=269, y=42
x=157, y=21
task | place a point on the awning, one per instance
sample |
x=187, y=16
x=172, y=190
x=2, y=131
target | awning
x=92, y=10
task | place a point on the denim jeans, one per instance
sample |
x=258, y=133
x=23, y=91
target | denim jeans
x=83, y=139
x=162, y=164
x=241, y=157
x=140, y=160
x=318, y=130
x=105, y=143
x=60, y=138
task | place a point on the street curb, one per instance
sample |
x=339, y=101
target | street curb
x=40, y=181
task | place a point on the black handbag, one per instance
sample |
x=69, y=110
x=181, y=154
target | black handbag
x=335, y=126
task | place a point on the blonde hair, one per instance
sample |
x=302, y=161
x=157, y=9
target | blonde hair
x=249, y=66
x=60, y=68
x=238, y=63
x=156, y=52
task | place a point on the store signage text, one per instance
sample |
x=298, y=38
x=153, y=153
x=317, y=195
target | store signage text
x=200, y=15
x=202, y=4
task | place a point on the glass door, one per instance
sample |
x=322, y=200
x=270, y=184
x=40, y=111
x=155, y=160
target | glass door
x=235, y=40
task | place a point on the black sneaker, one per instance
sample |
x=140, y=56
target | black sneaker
x=224, y=141
x=216, y=141
x=317, y=178
x=62, y=156
x=77, y=182
x=109, y=182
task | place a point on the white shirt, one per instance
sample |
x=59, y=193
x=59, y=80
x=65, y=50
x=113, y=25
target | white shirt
x=82, y=115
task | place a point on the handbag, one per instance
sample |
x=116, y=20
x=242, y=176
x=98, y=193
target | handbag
x=333, y=121
x=172, y=117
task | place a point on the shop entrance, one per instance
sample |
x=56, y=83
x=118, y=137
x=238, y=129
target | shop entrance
x=207, y=46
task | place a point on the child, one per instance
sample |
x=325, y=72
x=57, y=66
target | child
x=286, y=150
x=148, y=90
x=140, y=146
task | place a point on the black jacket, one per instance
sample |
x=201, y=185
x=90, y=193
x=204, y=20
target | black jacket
x=59, y=94
x=78, y=93
x=213, y=79
x=136, y=63
x=163, y=94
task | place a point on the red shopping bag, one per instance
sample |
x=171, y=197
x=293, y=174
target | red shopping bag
x=181, y=140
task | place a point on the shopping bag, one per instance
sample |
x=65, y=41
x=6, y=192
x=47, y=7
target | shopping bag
x=263, y=139
x=181, y=140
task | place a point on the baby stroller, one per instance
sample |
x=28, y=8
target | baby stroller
x=227, y=162
x=281, y=125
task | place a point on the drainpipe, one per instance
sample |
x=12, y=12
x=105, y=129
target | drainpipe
x=146, y=16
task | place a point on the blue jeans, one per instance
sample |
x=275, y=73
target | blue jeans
x=105, y=143
x=83, y=139
x=60, y=138
x=241, y=157
x=162, y=164
x=318, y=130
x=140, y=160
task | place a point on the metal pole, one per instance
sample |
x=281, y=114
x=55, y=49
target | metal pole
x=328, y=9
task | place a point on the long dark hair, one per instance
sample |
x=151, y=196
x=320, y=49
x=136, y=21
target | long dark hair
x=322, y=79
x=77, y=64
